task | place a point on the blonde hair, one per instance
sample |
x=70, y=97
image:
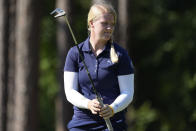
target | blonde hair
x=97, y=10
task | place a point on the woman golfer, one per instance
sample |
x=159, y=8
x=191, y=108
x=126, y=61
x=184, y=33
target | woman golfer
x=111, y=70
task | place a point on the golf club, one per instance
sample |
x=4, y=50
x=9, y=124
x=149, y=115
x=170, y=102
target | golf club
x=59, y=13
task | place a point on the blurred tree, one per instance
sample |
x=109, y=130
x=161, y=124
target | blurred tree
x=123, y=23
x=11, y=63
x=3, y=62
x=64, y=41
x=26, y=67
x=19, y=62
x=8, y=63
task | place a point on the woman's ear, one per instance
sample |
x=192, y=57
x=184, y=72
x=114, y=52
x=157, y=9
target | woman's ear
x=91, y=24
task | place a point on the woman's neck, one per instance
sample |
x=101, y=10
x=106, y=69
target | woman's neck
x=97, y=46
x=97, y=43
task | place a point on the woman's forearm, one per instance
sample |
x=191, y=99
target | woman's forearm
x=71, y=90
x=126, y=84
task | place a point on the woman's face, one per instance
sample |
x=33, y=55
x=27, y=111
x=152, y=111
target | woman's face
x=103, y=27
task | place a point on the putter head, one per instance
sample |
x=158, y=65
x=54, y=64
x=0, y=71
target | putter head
x=58, y=12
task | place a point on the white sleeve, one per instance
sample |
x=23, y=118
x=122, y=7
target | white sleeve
x=126, y=84
x=71, y=90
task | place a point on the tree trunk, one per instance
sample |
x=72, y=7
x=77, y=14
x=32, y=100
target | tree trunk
x=3, y=62
x=123, y=22
x=11, y=66
x=26, y=71
x=130, y=15
x=64, y=109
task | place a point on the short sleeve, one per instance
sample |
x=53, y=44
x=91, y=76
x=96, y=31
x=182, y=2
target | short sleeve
x=71, y=63
x=125, y=66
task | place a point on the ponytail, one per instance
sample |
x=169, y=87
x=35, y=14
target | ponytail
x=113, y=54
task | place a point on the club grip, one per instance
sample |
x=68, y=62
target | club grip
x=107, y=121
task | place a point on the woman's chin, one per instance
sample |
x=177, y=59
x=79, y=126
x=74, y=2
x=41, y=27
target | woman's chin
x=107, y=38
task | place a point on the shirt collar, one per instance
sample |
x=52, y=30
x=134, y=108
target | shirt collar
x=86, y=46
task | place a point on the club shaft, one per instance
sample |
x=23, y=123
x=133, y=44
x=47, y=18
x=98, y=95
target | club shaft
x=107, y=121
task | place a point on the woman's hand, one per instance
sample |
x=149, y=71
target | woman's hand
x=94, y=106
x=106, y=112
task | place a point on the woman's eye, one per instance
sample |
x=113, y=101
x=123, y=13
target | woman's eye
x=104, y=24
x=107, y=24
